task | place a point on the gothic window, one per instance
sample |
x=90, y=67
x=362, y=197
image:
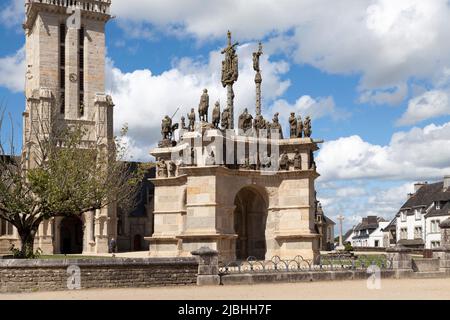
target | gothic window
x=6, y=228
x=62, y=65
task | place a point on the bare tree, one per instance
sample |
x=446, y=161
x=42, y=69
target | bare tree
x=62, y=172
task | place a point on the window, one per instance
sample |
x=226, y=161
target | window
x=404, y=233
x=438, y=205
x=6, y=228
x=403, y=216
x=418, y=233
x=377, y=243
x=435, y=244
x=418, y=214
x=434, y=226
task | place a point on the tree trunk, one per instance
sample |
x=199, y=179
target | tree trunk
x=27, y=243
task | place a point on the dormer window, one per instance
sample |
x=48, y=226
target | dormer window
x=438, y=205
x=418, y=214
x=403, y=216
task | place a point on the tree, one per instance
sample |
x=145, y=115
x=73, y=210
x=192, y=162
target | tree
x=70, y=174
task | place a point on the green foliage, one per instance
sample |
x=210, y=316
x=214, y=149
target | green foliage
x=348, y=246
x=70, y=174
x=27, y=254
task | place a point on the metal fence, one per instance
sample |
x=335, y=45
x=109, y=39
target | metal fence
x=298, y=264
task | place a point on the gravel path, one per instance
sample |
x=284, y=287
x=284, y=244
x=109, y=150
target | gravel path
x=356, y=289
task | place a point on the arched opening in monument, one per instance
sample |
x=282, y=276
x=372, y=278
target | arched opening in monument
x=71, y=235
x=250, y=217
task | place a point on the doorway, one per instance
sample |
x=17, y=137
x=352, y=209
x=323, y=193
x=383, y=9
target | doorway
x=250, y=218
x=71, y=235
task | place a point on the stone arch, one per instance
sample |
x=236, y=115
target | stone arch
x=250, y=220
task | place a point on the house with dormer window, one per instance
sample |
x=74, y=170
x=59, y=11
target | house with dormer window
x=417, y=222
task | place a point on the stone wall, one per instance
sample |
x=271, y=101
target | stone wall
x=51, y=275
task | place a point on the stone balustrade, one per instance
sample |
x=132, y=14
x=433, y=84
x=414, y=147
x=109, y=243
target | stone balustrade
x=100, y=6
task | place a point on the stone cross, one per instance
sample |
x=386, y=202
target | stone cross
x=258, y=78
x=341, y=245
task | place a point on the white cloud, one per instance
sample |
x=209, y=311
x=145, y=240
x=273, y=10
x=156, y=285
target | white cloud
x=308, y=106
x=12, y=13
x=386, y=42
x=12, y=71
x=417, y=154
x=429, y=105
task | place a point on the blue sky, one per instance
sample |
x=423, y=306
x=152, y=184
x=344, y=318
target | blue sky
x=373, y=74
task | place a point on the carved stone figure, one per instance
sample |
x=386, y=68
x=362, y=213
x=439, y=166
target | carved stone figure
x=256, y=56
x=276, y=125
x=293, y=125
x=172, y=169
x=203, y=106
x=284, y=161
x=166, y=128
x=216, y=115
x=245, y=121
x=183, y=123
x=226, y=119
x=161, y=168
x=230, y=63
x=299, y=127
x=191, y=118
x=211, y=159
x=297, y=160
x=307, y=127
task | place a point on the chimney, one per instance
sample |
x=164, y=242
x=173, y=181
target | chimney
x=372, y=219
x=446, y=183
x=410, y=195
x=419, y=185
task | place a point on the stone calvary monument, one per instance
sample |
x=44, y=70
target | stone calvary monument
x=245, y=192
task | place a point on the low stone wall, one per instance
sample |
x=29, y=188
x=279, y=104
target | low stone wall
x=51, y=275
x=278, y=277
x=425, y=264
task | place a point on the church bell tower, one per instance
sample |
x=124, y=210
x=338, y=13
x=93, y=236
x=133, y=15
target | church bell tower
x=65, y=85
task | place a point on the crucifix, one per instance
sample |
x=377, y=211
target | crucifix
x=341, y=219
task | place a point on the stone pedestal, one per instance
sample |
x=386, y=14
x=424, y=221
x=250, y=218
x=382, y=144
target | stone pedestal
x=208, y=266
x=401, y=258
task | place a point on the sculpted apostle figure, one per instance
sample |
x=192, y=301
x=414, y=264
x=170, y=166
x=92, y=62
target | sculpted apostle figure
x=204, y=106
x=226, y=117
x=293, y=125
x=216, y=115
x=299, y=127
x=191, y=117
x=307, y=127
x=284, y=161
x=276, y=125
x=166, y=127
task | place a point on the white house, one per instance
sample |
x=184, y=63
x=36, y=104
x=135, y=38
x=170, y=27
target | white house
x=417, y=221
x=368, y=233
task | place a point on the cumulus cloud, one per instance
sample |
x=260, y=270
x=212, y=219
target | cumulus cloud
x=356, y=199
x=386, y=42
x=12, y=71
x=12, y=13
x=420, y=153
x=428, y=105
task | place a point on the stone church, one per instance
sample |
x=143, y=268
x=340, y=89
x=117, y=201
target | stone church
x=65, y=84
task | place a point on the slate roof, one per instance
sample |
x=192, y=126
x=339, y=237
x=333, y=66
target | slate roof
x=427, y=194
x=391, y=225
x=328, y=220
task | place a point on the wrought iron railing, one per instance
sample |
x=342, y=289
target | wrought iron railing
x=298, y=264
